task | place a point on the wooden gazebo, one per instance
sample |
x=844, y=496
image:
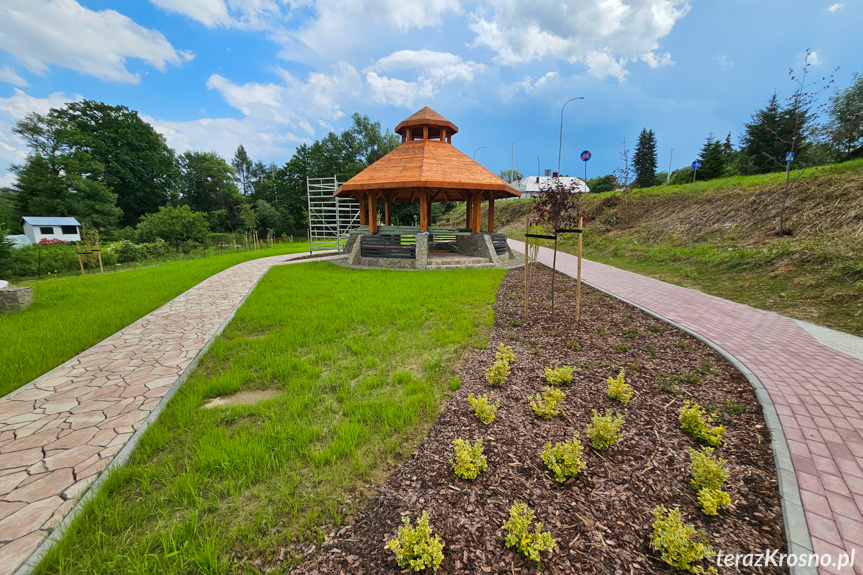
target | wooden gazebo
x=426, y=168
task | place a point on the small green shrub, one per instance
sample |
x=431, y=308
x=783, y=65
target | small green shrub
x=417, y=548
x=519, y=537
x=564, y=459
x=618, y=389
x=455, y=384
x=679, y=545
x=712, y=500
x=483, y=407
x=573, y=345
x=604, y=430
x=695, y=422
x=559, y=375
x=498, y=372
x=505, y=353
x=469, y=460
x=547, y=404
x=708, y=475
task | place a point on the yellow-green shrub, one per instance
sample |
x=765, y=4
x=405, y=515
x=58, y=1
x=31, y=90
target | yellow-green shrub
x=519, y=536
x=679, y=545
x=505, y=353
x=604, y=430
x=564, y=459
x=498, y=372
x=712, y=500
x=483, y=407
x=547, y=404
x=417, y=548
x=618, y=389
x=469, y=460
x=708, y=475
x=559, y=375
x=694, y=421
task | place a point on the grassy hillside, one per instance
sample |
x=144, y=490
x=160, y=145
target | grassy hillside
x=721, y=237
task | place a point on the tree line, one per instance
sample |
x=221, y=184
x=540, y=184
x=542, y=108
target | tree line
x=777, y=128
x=107, y=167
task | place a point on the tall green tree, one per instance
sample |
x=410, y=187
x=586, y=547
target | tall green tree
x=644, y=160
x=243, y=167
x=175, y=225
x=137, y=164
x=60, y=178
x=206, y=184
x=713, y=161
x=846, y=111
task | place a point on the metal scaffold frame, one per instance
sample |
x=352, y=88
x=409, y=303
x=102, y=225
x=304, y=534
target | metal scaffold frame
x=330, y=218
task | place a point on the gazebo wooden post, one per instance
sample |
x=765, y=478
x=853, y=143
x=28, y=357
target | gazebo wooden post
x=491, y=212
x=424, y=201
x=429, y=210
x=476, y=207
x=362, y=201
x=468, y=209
x=388, y=205
x=373, y=213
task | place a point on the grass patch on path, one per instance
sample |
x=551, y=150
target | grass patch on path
x=75, y=313
x=363, y=360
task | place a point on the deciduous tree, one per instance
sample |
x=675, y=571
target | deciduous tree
x=175, y=225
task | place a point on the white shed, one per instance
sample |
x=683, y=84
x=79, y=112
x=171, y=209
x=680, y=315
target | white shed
x=39, y=228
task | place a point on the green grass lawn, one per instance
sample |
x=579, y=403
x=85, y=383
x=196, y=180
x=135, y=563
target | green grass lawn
x=362, y=361
x=74, y=313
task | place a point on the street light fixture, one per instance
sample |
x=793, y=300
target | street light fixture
x=477, y=150
x=560, y=144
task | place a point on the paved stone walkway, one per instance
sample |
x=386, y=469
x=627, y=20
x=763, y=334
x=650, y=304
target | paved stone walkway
x=817, y=392
x=60, y=431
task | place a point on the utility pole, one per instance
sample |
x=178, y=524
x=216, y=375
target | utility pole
x=668, y=179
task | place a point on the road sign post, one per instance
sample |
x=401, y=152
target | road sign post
x=585, y=156
x=695, y=165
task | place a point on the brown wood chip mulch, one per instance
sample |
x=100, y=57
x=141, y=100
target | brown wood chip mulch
x=600, y=519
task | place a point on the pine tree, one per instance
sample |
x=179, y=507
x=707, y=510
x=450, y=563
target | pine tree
x=644, y=161
x=712, y=159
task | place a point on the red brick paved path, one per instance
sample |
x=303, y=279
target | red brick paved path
x=817, y=392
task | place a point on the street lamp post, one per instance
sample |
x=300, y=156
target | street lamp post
x=560, y=143
x=477, y=150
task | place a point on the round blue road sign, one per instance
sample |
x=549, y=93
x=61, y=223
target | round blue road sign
x=696, y=164
x=585, y=155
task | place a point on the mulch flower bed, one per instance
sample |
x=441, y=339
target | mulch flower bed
x=601, y=519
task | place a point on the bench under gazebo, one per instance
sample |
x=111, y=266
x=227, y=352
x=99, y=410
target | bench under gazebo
x=425, y=168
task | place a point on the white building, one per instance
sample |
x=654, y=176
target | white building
x=529, y=185
x=38, y=229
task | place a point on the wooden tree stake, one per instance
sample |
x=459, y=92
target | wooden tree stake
x=578, y=282
x=526, y=239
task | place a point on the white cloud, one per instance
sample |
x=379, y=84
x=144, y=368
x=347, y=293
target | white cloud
x=814, y=58
x=12, y=109
x=39, y=33
x=10, y=76
x=723, y=61
x=429, y=70
x=341, y=26
x=254, y=14
x=605, y=35
x=833, y=8
x=273, y=114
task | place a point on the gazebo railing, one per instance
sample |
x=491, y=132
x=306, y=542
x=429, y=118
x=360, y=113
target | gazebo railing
x=388, y=246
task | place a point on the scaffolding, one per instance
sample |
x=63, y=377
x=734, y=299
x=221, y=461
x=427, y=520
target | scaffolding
x=330, y=218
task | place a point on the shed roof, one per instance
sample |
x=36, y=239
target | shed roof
x=426, y=165
x=49, y=221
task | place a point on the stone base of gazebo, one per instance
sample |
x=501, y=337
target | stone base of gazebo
x=449, y=249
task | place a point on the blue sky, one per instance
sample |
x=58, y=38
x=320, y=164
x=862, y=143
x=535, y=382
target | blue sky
x=271, y=74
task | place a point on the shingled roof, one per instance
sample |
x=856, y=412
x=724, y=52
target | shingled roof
x=426, y=165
